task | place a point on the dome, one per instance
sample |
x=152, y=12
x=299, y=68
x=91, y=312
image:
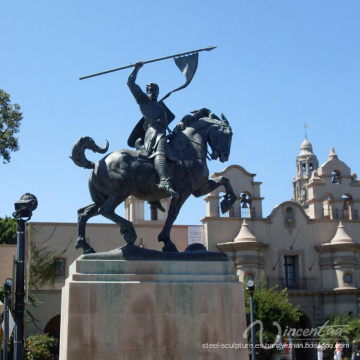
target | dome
x=306, y=148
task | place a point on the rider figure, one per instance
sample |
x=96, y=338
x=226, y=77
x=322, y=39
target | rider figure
x=155, y=125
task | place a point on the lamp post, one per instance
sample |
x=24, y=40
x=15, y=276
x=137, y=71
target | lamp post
x=7, y=291
x=23, y=212
x=251, y=287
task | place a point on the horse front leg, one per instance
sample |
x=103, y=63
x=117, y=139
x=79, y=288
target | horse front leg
x=229, y=197
x=174, y=210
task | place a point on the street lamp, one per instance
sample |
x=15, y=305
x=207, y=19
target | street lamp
x=23, y=212
x=251, y=287
x=7, y=290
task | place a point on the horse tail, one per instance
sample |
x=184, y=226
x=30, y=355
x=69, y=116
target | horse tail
x=78, y=151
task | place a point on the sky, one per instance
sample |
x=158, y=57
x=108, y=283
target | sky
x=277, y=65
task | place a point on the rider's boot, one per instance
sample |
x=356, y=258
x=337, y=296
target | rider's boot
x=161, y=169
x=166, y=184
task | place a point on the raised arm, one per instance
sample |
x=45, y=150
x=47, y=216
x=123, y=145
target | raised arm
x=135, y=88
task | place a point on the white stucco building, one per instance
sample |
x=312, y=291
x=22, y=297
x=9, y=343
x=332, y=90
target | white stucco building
x=309, y=244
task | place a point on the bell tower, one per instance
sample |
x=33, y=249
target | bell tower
x=306, y=164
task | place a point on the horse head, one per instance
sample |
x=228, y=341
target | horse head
x=219, y=139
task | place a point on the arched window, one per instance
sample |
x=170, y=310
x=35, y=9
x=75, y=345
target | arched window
x=302, y=193
x=245, y=205
x=290, y=216
x=335, y=177
x=304, y=169
x=347, y=212
x=227, y=214
x=328, y=210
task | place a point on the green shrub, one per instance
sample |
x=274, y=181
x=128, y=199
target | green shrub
x=40, y=347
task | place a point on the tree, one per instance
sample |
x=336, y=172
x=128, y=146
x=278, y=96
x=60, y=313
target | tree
x=43, y=265
x=8, y=230
x=340, y=327
x=270, y=305
x=10, y=118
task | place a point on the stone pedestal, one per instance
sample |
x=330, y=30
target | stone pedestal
x=181, y=310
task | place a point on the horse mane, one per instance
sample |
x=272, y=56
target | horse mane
x=202, y=114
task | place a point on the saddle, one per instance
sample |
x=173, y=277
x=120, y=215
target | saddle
x=143, y=155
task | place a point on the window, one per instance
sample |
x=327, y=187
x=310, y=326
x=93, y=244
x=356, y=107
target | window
x=221, y=214
x=290, y=216
x=348, y=278
x=328, y=201
x=290, y=276
x=245, y=205
x=60, y=267
x=335, y=177
x=346, y=209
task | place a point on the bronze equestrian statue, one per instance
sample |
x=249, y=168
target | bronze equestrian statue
x=160, y=167
x=127, y=172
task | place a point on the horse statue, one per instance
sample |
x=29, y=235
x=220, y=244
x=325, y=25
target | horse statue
x=128, y=172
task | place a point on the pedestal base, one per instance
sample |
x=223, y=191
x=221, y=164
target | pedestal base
x=121, y=309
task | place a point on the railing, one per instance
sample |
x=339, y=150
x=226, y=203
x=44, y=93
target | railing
x=305, y=283
x=344, y=214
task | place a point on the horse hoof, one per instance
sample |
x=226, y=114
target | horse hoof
x=89, y=251
x=129, y=235
x=170, y=247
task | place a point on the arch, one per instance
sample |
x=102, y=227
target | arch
x=282, y=206
x=348, y=213
x=336, y=177
x=249, y=275
x=304, y=169
x=245, y=204
x=53, y=327
x=305, y=323
x=227, y=214
x=289, y=215
x=304, y=193
x=328, y=206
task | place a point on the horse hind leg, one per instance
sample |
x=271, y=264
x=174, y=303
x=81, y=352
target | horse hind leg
x=108, y=211
x=84, y=214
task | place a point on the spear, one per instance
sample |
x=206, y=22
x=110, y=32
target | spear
x=208, y=48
